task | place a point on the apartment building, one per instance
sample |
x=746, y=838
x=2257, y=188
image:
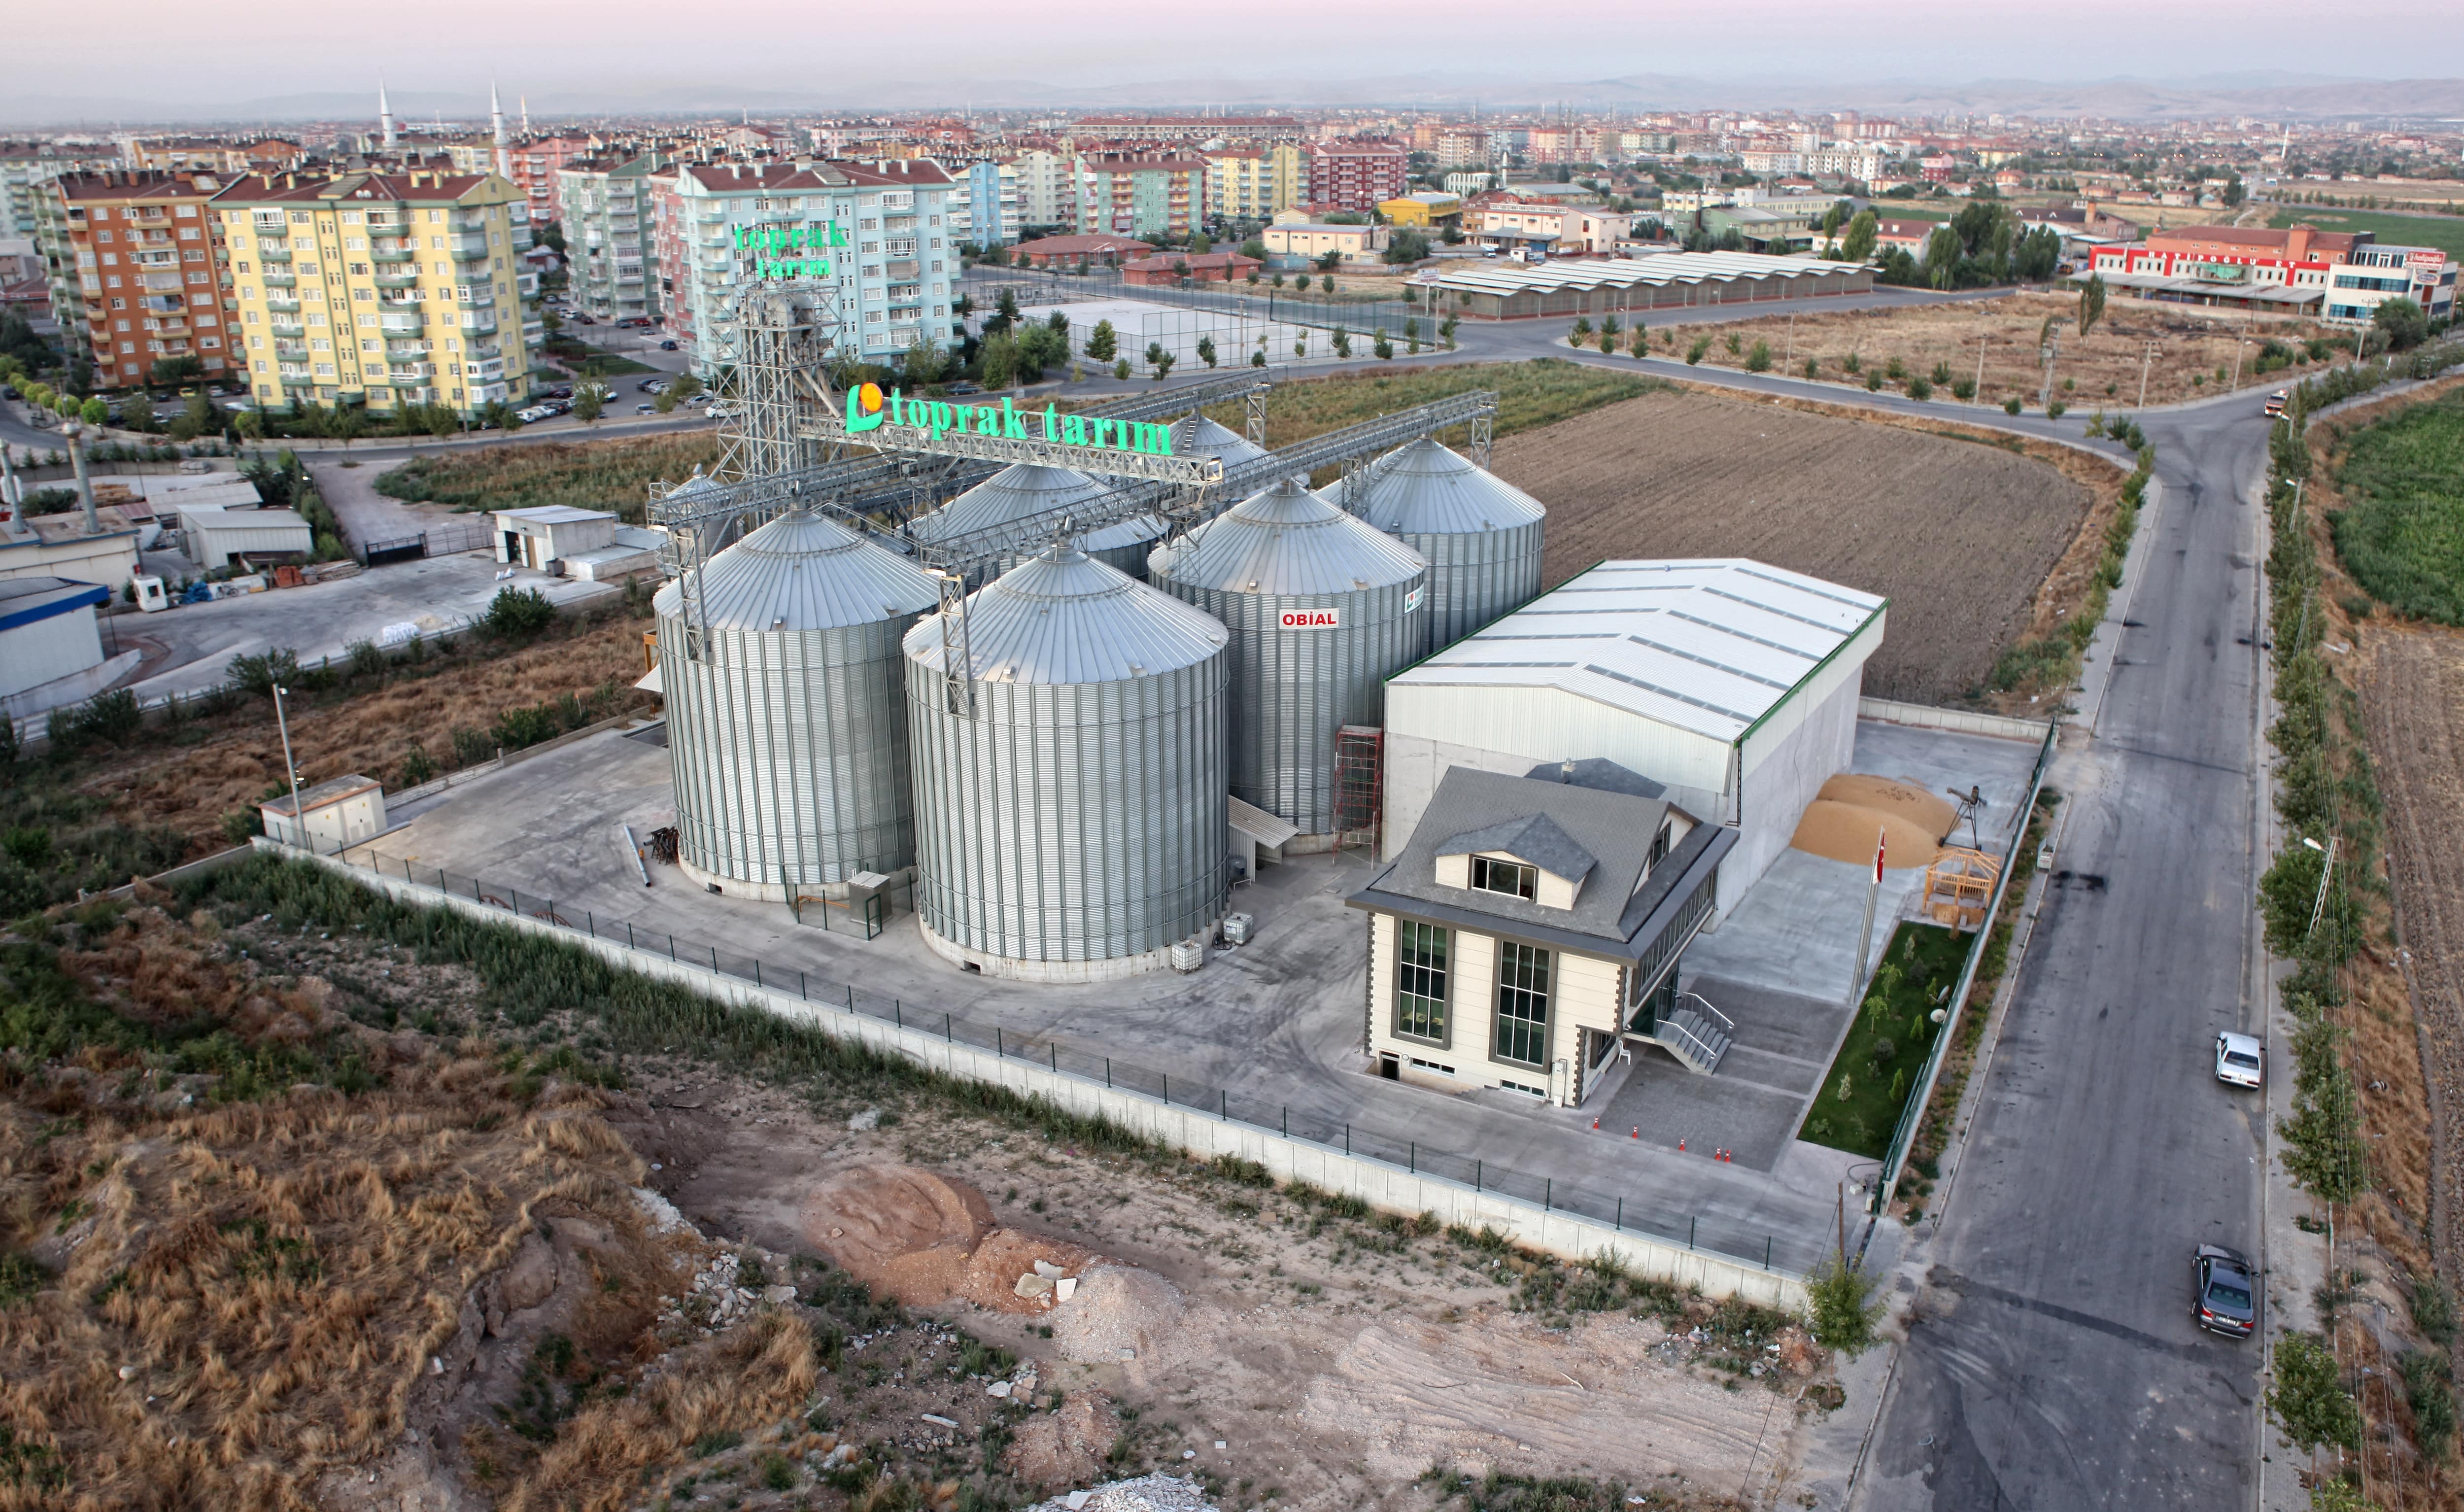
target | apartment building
x=386, y=288
x=985, y=211
x=1463, y=147
x=1047, y=188
x=1251, y=183
x=1133, y=194
x=26, y=166
x=895, y=263
x=535, y=164
x=604, y=203
x=1353, y=175
x=137, y=270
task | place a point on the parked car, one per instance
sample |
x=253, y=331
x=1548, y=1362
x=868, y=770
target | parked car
x=2240, y=1059
x=559, y=391
x=652, y=385
x=667, y=346
x=584, y=320
x=645, y=409
x=962, y=387
x=2224, y=1292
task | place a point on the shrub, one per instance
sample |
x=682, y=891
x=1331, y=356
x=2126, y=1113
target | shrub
x=1841, y=1300
x=2010, y=405
x=2053, y=411
x=2307, y=1401
x=518, y=614
x=1759, y=358
x=1694, y=353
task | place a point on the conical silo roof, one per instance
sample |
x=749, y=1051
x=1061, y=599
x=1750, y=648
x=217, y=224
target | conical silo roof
x=1424, y=489
x=1284, y=539
x=1196, y=437
x=1013, y=494
x=802, y=572
x=1062, y=617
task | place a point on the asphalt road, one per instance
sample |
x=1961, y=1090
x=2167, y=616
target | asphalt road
x=2052, y=1361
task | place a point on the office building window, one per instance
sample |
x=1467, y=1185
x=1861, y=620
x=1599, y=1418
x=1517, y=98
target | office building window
x=1522, y=1003
x=1420, y=954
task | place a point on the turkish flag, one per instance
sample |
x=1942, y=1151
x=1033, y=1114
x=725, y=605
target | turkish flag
x=1881, y=842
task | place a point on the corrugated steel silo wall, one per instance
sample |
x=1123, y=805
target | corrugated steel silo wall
x=1292, y=690
x=1071, y=821
x=789, y=751
x=1475, y=576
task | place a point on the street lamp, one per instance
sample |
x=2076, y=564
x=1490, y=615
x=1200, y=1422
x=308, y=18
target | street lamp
x=290, y=769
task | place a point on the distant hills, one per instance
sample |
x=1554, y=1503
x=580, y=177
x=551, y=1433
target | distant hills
x=2267, y=94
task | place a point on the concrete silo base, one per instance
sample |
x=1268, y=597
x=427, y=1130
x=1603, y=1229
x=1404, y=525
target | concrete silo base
x=780, y=892
x=1110, y=969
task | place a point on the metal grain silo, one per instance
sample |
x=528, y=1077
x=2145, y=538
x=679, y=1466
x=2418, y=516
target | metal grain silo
x=1481, y=535
x=1026, y=491
x=1323, y=609
x=1196, y=437
x=787, y=735
x=1070, y=781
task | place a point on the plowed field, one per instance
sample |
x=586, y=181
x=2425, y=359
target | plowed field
x=1960, y=536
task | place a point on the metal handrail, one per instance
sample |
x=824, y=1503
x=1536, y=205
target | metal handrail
x=1701, y=1046
x=1727, y=1024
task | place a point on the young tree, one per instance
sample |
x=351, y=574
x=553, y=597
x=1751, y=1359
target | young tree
x=588, y=400
x=1159, y=359
x=1121, y=369
x=1103, y=342
x=1327, y=263
x=1581, y=333
x=1639, y=341
x=1200, y=242
x=2405, y=324
x=1301, y=282
x=1206, y=350
x=997, y=363
x=1342, y=341
x=1863, y=232
x=1384, y=348
x=1255, y=247
x=1406, y=245
x=93, y=411
x=2091, y=303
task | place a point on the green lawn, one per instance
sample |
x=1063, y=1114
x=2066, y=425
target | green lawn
x=2403, y=536
x=591, y=361
x=2403, y=230
x=1877, y=1070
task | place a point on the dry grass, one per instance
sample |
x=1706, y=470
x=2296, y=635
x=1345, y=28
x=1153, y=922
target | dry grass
x=611, y=474
x=2103, y=367
x=191, y=787
x=247, y=1294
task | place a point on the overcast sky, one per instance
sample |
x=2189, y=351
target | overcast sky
x=612, y=51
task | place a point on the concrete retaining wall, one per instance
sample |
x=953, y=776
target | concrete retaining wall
x=1963, y=721
x=1187, y=1129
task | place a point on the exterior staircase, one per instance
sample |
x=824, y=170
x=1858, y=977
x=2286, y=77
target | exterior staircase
x=1697, y=1042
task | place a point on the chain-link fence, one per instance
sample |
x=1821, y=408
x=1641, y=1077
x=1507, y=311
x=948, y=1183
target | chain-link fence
x=1594, y=1195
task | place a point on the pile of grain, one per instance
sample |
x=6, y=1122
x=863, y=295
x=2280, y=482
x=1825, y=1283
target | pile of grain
x=1853, y=809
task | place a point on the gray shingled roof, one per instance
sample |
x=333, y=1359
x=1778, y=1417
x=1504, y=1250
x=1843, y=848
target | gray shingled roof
x=1535, y=839
x=1597, y=771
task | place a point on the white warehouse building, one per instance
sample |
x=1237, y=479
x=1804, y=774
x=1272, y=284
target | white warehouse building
x=1731, y=683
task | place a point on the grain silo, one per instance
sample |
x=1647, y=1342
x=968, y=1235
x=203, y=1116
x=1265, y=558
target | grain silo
x=1027, y=490
x=1069, y=782
x=1323, y=609
x=1196, y=437
x=1480, y=534
x=786, y=734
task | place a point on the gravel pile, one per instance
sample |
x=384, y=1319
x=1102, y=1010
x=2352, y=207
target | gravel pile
x=1119, y=1313
x=1155, y=1493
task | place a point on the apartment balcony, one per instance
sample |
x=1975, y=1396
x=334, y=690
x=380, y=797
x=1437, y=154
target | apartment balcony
x=411, y=375
x=489, y=372
x=904, y=270
x=298, y=377
x=406, y=279
x=287, y=330
x=477, y=296
x=290, y=351
x=266, y=253
x=281, y=304
x=404, y=351
x=480, y=324
x=281, y=280
x=401, y=255
x=407, y=322
x=465, y=249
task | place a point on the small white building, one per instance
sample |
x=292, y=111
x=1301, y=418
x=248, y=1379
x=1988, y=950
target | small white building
x=540, y=537
x=330, y=816
x=1732, y=684
x=219, y=537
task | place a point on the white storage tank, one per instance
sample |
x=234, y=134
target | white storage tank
x=1069, y=790
x=1321, y=609
x=1481, y=535
x=787, y=734
x=1026, y=491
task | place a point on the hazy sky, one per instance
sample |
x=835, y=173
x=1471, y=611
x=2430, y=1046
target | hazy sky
x=612, y=50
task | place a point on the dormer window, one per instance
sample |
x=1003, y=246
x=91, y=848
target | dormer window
x=1509, y=877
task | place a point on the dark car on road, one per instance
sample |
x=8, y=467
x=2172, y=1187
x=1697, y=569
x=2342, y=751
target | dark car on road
x=2225, y=1292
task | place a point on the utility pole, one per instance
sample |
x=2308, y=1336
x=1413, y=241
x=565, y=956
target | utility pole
x=290, y=769
x=1980, y=369
x=1865, y=935
x=2146, y=359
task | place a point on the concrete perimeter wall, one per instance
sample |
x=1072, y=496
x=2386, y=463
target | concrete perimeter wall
x=1187, y=1129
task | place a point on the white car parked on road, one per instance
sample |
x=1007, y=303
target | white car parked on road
x=2240, y=1060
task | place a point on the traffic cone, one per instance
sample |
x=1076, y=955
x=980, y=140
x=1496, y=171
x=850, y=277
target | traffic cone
x=1638, y=1133
x=1596, y=1125
x=1680, y=1144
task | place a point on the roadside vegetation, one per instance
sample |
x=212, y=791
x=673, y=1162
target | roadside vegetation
x=2050, y=663
x=584, y=475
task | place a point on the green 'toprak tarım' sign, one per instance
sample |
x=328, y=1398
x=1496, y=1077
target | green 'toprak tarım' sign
x=785, y=248
x=869, y=409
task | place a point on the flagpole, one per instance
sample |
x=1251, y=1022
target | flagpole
x=1865, y=936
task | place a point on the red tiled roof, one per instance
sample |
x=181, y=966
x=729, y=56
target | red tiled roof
x=1072, y=246
x=826, y=173
x=256, y=189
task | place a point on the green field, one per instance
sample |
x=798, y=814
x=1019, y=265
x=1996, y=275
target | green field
x=2402, y=538
x=1878, y=1065
x=2402, y=230
x=612, y=475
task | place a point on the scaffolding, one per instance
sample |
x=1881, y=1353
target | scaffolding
x=780, y=336
x=1359, y=786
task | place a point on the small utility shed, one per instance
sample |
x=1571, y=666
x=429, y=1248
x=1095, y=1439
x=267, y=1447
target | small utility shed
x=330, y=816
x=47, y=631
x=1732, y=684
x=218, y=536
x=1533, y=924
x=551, y=532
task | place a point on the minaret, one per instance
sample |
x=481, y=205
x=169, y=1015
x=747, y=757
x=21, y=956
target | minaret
x=496, y=132
x=526, y=112
x=385, y=116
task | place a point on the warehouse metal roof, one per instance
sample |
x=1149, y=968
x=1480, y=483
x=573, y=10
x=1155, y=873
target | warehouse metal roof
x=1628, y=272
x=1708, y=646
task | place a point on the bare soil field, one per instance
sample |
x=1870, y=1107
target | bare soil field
x=2194, y=355
x=307, y=1203
x=1965, y=539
